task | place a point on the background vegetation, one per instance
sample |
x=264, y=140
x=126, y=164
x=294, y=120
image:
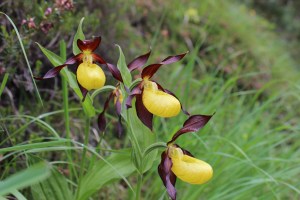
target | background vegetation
x=243, y=65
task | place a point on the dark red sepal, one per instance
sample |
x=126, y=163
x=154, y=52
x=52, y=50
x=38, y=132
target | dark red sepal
x=55, y=71
x=98, y=58
x=89, y=45
x=137, y=90
x=101, y=118
x=51, y=73
x=150, y=70
x=118, y=104
x=74, y=59
x=138, y=62
x=172, y=59
x=120, y=126
x=166, y=174
x=144, y=115
x=114, y=71
x=192, y=124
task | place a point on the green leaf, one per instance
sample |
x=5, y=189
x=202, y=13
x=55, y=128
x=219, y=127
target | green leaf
x=116, y=167
x=3, y=83
x=52, y=57
x=55, y=187
x=78, y=35
x=57, y=60
x=103, y=89
x=122, y=66
x=25, y=56
x=18, y=195
x=154, y=146
x=141, y=138
x=25, y=178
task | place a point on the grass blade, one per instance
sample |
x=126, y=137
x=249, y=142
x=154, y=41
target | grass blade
x=25, y=56
x=33, y=174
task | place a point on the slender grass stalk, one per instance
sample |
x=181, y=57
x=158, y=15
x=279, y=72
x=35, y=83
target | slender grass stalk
x=25, y=56
x=86, y=140
x=139, y=186
x=3, y=83
x=65, y=94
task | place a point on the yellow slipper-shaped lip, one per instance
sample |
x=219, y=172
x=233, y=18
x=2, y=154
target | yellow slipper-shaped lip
x=189, y=169
x=158, y=102
x=90, y=76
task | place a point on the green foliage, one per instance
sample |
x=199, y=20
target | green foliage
x=116, y=166
x=122, y=66
x=70, y=77
x=25, y=178
x=55, y=187
x=238, y=67
x=78, y=35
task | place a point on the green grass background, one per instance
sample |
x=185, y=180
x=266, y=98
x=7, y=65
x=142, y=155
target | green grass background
x=239, y=67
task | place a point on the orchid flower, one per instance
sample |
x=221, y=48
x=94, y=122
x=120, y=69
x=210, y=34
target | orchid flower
x=89, y=74
x=151, y=97
x=116, y=94
x=178, y=162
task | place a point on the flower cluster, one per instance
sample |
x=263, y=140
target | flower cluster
x=150, y=99
x=89, y=74
x=178, y=162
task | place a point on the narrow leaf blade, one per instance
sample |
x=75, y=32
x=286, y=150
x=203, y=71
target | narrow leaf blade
x=25, y=178
x=78, y=35
x=122, y=66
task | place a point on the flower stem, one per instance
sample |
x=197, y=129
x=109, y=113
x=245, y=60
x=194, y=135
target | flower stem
x=65, y=94
x=86, y=140
x=139, y=186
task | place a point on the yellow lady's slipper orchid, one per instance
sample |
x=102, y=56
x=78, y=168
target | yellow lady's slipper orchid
x=178, y=162
x=90, y=76
x=158, y=102
x=189, y=169
x=152, y=98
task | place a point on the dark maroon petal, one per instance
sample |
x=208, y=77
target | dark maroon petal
x=101, y=121
x=166, y=174
x=118, y=106
x=74, y=59
x=139, y=61
x=89, y=45
x=120, y=127
x=115, y=72
x=144, y=115
x=134, y=92
x=51, y=73
x=172, y=59
x=150, y=70
x=98, y=58
x=101, y=117
x=192, y=124
x=55, y=71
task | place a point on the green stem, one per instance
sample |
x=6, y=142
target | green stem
x=86, y=140
x=65, y=94
x=139, y=187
